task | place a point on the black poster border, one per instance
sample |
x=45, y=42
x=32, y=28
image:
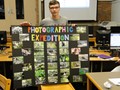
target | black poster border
x=33, y=56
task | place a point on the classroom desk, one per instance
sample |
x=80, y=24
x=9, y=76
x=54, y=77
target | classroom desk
x=5, y=59
x=93, y=40
x=100, y=61
x=99, y=78
x=4, y=55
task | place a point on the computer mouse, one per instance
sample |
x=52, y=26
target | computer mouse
x=107, y=85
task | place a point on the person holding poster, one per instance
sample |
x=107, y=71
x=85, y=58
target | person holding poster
x=55, y=19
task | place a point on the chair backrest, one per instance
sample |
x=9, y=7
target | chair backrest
x=5, y=83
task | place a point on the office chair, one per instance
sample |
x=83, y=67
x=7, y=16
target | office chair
x=116, y=69
x=5, y=83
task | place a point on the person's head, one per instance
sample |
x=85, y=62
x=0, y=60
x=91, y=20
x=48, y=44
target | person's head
x=54, y=7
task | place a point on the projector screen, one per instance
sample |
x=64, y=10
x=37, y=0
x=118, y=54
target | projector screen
x=76, y=10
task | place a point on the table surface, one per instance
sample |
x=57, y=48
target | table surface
x=99, y=78
x=95, y=51
x=4, y=55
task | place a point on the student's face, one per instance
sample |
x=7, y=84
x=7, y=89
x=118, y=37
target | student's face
x=54, y=9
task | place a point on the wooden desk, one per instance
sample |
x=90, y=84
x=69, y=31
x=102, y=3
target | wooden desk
x=100, y=61
x=4, y=55
x=99, y=78
x=95, y=51
x=5, y=60
x=93, y=39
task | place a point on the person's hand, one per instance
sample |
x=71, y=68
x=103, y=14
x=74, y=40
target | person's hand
x=118, y=60
x=72, y=24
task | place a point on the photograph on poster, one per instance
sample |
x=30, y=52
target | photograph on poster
x=39, y=52
x=75, y=51
x=52, y=58
x=75, y=64
x=38, y=45
x=77, y=78
x=24, y=37
x=26, y=51
x=18, y=60
x=40, y=76
x=27, y=67
x=39, y=66
x=16, y=30
x=26, y=82
x=38, y=59
x=17, y=44
x=82, y=43
x=74, y=37
x=18, y=75
x=83, y=57
x=64, y=58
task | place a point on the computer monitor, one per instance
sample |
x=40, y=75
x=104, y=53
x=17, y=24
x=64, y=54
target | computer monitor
x=103, y=38
x=115, y=37
x=115, y=29
x=115, y=41
x=3, y=37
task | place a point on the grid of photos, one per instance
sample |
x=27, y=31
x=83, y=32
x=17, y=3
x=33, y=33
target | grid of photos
x=79, y=51
x=49, y=62
x=64, y=61
x=39, y=63
x=52, y=62
x=22, y=65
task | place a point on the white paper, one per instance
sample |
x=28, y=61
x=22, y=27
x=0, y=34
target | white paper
x=115, y=81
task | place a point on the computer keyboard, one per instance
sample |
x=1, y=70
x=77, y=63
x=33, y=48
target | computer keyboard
x=93, y=55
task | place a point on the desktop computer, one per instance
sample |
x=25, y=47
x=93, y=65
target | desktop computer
x=3, y=39
x=103, y=39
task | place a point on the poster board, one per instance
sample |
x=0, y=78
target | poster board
x=49, y=55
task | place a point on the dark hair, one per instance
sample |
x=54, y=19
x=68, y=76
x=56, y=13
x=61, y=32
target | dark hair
x=53, y=2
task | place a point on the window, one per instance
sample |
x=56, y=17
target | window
x=19, y=9
x=2, y=11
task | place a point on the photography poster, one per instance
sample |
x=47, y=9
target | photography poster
x=49, y=55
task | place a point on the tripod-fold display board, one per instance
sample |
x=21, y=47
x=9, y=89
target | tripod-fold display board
x=49, y=55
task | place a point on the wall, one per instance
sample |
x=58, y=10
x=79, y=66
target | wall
x=115, y=13
x=104, y=11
